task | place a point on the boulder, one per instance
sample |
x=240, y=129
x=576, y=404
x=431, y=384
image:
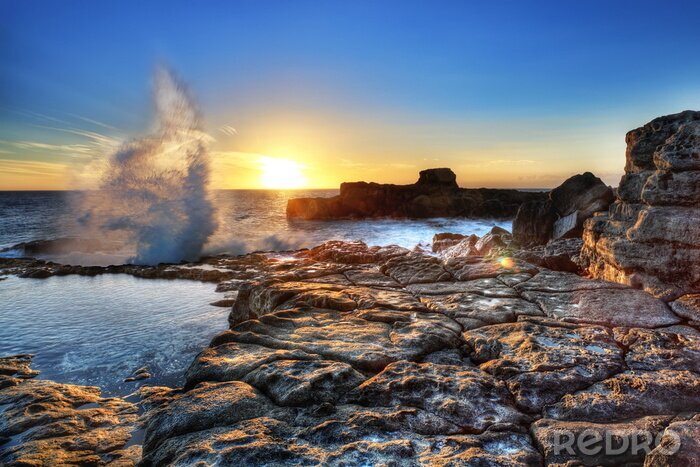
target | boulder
x=650, y=236
x=443, y=177
x=533, y=223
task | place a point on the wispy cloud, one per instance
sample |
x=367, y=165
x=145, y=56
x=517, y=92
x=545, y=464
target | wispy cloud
x=15, y=167
x=228, y=130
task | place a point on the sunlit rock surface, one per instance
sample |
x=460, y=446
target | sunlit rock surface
x=352, y=355
x=650, y=236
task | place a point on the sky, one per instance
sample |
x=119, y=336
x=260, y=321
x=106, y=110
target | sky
x=506, y=93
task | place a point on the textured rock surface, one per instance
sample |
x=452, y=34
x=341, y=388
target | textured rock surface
x=650, y=236
x=47, y=423
x=346, y=354
x=436, y=194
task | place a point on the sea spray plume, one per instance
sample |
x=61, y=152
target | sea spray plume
x=155, y=188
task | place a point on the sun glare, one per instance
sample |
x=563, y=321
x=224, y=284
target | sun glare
x=281, y=174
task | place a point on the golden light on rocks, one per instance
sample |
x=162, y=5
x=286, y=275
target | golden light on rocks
x=507, y=262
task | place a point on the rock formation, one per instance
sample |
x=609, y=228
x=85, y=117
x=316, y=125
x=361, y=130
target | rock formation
x=564, y=211
x=650, y=236
x=346, y=354
x=436, y=194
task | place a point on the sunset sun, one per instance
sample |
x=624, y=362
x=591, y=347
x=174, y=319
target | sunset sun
x=281, y=174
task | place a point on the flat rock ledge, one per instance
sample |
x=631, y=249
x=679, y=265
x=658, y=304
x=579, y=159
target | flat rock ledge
x=349, y=355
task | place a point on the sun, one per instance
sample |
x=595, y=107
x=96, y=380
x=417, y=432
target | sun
x=281, y=174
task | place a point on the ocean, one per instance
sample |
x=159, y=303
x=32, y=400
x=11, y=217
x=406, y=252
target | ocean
x=248, y=220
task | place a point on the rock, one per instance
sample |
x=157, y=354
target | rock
x=442, y=241
x=542, y=363
x=488, y=287
x=609, y=307
x=302, y=382
x=680, y=445
x=138, y=375
x=583, y=194
x=224, y=302
x=563, y=254
x=370, y=278
x=352, y=253
x=367, y=340
x=436, y=194
x=631, y=394
x=659, y=349
x=465, y=396
x=470, y=268
x=431, y=177
x=415, y=268
x=600, y=444
x=495, y=239
x=473, y=311
x=559, y=281
x=688, y=307
x=649, y=236
x=533, y=223
x=47, y=423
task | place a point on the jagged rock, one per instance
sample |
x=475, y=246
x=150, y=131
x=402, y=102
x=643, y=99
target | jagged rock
x=631, y=394
x=542, y=363
x=649, y=237
x=436, y=194
x=606, y=444
x=533, y=223
x=465, y=396
x=442, y=241
x=563, y=214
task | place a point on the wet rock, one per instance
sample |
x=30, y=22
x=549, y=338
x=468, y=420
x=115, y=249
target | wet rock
x=609, y=307
x=464, y=396
x=631, y=394
x=138, y=375
x=600, y=444
x=542, y=363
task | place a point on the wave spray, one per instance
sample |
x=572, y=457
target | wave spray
x=154, y=192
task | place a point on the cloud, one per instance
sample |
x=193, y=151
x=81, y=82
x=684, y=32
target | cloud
x=228, y=130
x=15, y=167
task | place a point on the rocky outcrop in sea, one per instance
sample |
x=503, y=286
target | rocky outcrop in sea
x=435, y=194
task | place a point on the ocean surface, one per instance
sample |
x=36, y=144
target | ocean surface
x=248, y=220
x=99, y=330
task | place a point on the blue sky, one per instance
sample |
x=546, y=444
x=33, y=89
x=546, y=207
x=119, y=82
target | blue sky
x=506, y=93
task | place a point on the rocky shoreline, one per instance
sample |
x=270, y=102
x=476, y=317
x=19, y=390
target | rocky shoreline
x=346, y=354
x=504, y=350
